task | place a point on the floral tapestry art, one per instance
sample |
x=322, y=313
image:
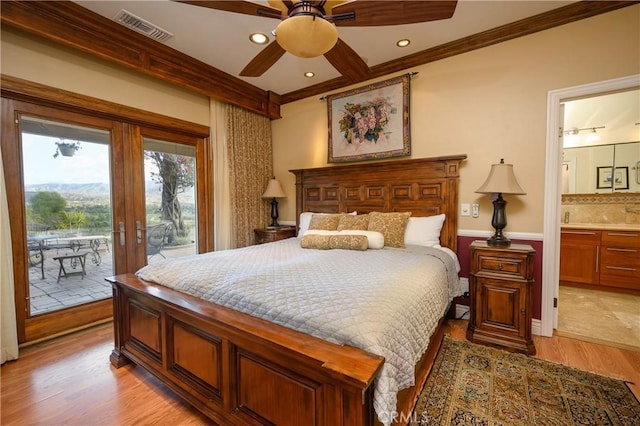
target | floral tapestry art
x=370, y=122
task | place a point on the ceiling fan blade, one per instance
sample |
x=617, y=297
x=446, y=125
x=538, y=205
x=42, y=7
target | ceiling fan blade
x=347, y=61
x=263, y=60
x=238, y=6
x=384, y=12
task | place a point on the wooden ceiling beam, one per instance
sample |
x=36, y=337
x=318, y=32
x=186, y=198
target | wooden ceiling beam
x=74, y=26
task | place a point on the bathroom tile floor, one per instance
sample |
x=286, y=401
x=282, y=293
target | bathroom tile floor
x=600, y=317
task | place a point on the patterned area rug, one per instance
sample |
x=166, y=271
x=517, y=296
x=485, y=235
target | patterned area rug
x=477, y=385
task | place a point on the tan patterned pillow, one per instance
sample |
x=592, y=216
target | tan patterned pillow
x=391, y=225
x=359, y=222
x=327, y=222
x=328, y=242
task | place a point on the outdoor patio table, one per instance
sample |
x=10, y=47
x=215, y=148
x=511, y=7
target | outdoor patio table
x=93, y=241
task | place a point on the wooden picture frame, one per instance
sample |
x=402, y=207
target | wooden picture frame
x=607, y=179
x=370, y=122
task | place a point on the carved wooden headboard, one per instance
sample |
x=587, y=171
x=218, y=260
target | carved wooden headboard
x=424, y=186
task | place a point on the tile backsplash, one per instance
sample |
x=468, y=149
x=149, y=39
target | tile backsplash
x=618, y=208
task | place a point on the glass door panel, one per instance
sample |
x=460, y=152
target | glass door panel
x=67, y=194
x=170, y=199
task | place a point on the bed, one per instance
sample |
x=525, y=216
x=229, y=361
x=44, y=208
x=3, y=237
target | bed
x=238, y=368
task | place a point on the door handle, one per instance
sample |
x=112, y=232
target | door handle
x=139, y=230
x=120, y=233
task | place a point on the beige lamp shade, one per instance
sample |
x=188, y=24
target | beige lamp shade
x=274, y=190
x=306, y=36
x=501, y=180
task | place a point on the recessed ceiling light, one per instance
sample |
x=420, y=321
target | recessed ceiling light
x=403, y=43
x=309, y=74
x=259, y=38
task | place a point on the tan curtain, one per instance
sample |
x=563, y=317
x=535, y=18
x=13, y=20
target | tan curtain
x=9, y=333
x=221, y=194
x=250, y=160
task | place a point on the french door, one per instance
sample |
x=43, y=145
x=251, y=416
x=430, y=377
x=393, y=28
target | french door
x=90, y=197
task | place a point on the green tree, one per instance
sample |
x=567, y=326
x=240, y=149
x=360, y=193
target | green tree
x=46, y=207
x=72, y=220
x=175, y=174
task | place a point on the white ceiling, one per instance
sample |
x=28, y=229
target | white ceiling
x=221, y=39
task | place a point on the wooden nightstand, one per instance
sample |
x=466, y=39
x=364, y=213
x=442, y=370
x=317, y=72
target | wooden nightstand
x=500, y=286
x=269, y=235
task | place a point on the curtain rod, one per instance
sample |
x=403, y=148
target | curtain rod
x=409, y=74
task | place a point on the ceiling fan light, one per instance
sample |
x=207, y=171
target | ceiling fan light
x=306, y=36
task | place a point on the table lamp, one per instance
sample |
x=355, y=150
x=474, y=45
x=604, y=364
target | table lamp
x=501, y=180
x=274, y=190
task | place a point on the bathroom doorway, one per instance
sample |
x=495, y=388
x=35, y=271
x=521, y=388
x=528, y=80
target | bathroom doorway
x=553, y=189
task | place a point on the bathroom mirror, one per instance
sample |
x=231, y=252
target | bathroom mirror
x=601, y=144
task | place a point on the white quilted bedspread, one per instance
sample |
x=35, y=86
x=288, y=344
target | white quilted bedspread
x=387, y=301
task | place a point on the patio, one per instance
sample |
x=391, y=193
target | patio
x=49, y=294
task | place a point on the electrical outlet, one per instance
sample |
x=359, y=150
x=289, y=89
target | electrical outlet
x=475, y=210
x=465, y=209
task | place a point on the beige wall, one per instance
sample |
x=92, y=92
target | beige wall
x=489, y=104
x=34, y=59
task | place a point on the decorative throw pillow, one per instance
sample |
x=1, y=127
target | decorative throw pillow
x=328, y=222
x=328, y=242
x=391, y=225
x=305, y=220
x=360, y=222
x=424, y=231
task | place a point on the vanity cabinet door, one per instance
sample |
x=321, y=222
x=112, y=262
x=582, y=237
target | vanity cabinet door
x=580, y=256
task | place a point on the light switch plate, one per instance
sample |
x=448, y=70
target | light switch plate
x=465, y=209
x=475, y=210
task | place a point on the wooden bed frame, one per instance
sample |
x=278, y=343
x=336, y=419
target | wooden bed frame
x=238, y=369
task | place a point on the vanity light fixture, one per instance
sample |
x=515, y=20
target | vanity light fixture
x=403, y=43
x=593, y=136
x=259, y=38
x=309, y=74
x=574, y=130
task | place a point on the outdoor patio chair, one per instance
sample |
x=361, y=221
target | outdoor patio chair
x=157, y=238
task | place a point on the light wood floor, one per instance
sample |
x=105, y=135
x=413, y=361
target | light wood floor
x=69, y=381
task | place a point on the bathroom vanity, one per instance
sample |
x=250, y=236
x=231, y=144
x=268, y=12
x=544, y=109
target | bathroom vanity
x=600, y=255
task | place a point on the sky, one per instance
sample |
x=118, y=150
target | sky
x=90, y=164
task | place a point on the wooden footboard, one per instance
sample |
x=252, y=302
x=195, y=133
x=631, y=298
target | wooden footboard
x=238, y=369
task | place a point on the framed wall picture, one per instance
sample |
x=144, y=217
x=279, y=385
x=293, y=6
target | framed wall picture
x=606, y=178
x=370, y=122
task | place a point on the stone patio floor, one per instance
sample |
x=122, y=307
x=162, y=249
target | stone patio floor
x=49, y=295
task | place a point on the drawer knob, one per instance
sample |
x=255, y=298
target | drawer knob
x=523, y=311
x=500, y=266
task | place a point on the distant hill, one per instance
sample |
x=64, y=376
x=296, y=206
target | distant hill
x=94, y=191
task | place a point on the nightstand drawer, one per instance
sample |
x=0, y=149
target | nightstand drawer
x=505, y=265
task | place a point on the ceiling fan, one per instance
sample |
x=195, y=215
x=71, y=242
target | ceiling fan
x=307, y=31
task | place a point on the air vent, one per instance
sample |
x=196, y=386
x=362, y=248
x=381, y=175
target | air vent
x=142, y=26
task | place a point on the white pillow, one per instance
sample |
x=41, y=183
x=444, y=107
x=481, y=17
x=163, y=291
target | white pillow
x=375, y=239
x=424, y=231
x=305, y=220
